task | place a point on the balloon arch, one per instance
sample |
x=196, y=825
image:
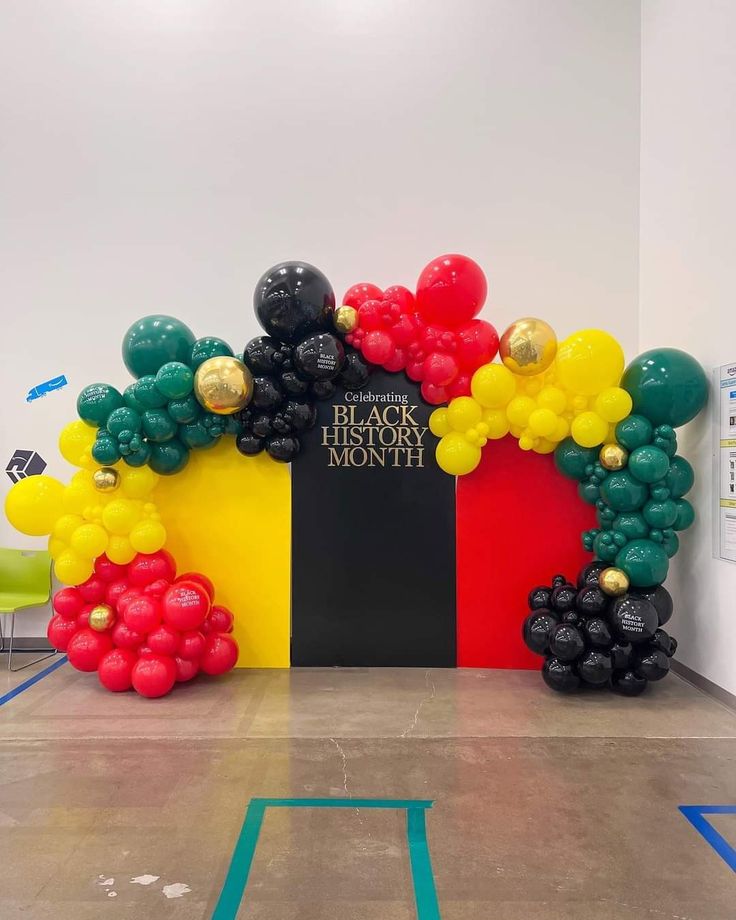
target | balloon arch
x=125, y=612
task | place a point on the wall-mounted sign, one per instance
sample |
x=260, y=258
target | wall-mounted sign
x=48, y=386
x=25, y=463
x=724, y=471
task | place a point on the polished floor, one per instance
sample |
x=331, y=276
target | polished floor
x=544, y=806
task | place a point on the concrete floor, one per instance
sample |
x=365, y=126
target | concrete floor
x=545, y=806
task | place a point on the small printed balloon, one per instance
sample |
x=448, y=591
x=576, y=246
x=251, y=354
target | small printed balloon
x=560, y=676
x=320, y=356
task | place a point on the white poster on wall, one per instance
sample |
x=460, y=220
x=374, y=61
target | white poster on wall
x=724, y=480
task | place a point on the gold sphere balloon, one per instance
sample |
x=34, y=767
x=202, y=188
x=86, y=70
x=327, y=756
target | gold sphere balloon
x=528, y=346
x=223, y=385
x=613, y=581
x=345, y=319
x=106, y=479
x=101, y=617
x=613, y=456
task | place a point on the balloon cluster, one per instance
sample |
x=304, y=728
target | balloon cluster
x=101, y=511
x=300, y=360
x=540, y=394
x=592, y=639
x=140, y=626
x=186, y=392
x=433, y=336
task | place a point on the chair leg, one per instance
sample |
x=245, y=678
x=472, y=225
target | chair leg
x=2, y=636
x=10, y=650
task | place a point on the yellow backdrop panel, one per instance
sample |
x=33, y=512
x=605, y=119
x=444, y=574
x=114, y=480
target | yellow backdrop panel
x=229, y=517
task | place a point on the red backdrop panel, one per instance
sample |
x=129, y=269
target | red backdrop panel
x=518, y=524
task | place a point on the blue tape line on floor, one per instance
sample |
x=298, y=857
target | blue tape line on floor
x=242, y=859
x=16, y=691
x=695, y=813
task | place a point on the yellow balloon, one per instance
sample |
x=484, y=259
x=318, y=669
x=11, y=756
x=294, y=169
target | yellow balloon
x=56, y=547
x=463, y=412
x=526, y=442
x=496, y=422
x=120, y=515
x=119, y=550
x=71, y=568
x=77, y=496
x=519, y=410
x=148, y=536
x=66, y=525
x=33, y=504
x=89, y=540
x=137, y=482
x=456, y=456
x=493, y=385
x=543, y=446
x=613, y=404
x=589, y=429
x=528, y=346
x=438, y=423
x=589, y=361
x=75, y=443
x=552, y=398
x=561, y=430
x=543, y=422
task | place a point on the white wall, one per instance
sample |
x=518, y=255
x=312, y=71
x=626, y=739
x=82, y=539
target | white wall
x=158, y=155
x=688, y=285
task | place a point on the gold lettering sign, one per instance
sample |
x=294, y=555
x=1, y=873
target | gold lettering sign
x=372, y=436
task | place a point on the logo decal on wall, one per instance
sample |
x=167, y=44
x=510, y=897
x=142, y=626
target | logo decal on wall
x=48, y=386
x=25, y=463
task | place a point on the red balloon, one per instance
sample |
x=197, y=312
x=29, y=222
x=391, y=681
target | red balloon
x=199, y=579
x=148, y=567
x=378, y=346
x=451, y=290
x=439, y=369
x=142, y=614
x=145, y=651
x=186, y=604
x=185, y=669
x=115, y=591
x=157, y=588
x=130, y=594
x=220, y=654
x=59, y=631
x=154, y=675
x=460, y=386
x=93, y=590
x=435, y=396
x=163, y=640
x=108, y=571
x=82, y=620
x=68, y=603
x=220, y=620
x=116, y=669
x=397, y=293
x=357, y=295
x=191, y=645
x=125, y=637
x=477, y=344
x=86, y=647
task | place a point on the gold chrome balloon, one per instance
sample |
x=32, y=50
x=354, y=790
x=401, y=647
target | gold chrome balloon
x=613, y=456
x=528, y=346
x=101, y=617
x=345, y=319
x=106, y=479
x=613, y=581
x=223, y=385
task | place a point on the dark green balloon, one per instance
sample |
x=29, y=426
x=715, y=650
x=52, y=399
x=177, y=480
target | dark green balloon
x=105, y=449
x=660, y=514
x=148, y=394
x=670, y=542
x=175, y=380
x=140, y=457
x=96, y=402
x=123, y=419
x=680, y=478
x=184, y=411
x=645, y=563
x=130, y=400
x=604, y=547
x=634, y=431
x=206, y=348
x=632, y=525
x=589, y=492
x=168, y=458
x=648, y=463
x=622, y=492
x=196, y=435
x=571, y=459
x=152, y=341
x=685, y=514
x=158, y=426
x=667, y=385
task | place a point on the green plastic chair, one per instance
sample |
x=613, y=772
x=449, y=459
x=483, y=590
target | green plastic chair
x=25, y=581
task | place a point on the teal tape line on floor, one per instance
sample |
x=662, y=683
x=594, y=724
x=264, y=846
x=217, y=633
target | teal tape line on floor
x=241, y=862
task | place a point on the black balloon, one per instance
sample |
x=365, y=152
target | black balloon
x=319, y=357
x=627, y=683
x=267, y=394
x=664, y=642
x=283, y=447
x=566, y=642
x=633, y=618
x=661, y=599
x=622, y=654
x=262, y=425
x=292, y=300
x=537, y=627
x=571, y=616
x=589, y=575
x=560, y=676
x=322, y=389
x=539, y=597
x=597, y=632
x=558, y=581
x=249, y=444
x=595, y=667
x=259, y=355
x=293, y=383
x=563, y=598
x=355, y=371
x=590, y=600
x=653, y=665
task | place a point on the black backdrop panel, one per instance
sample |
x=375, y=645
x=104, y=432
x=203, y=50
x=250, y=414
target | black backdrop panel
x=373, y=534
